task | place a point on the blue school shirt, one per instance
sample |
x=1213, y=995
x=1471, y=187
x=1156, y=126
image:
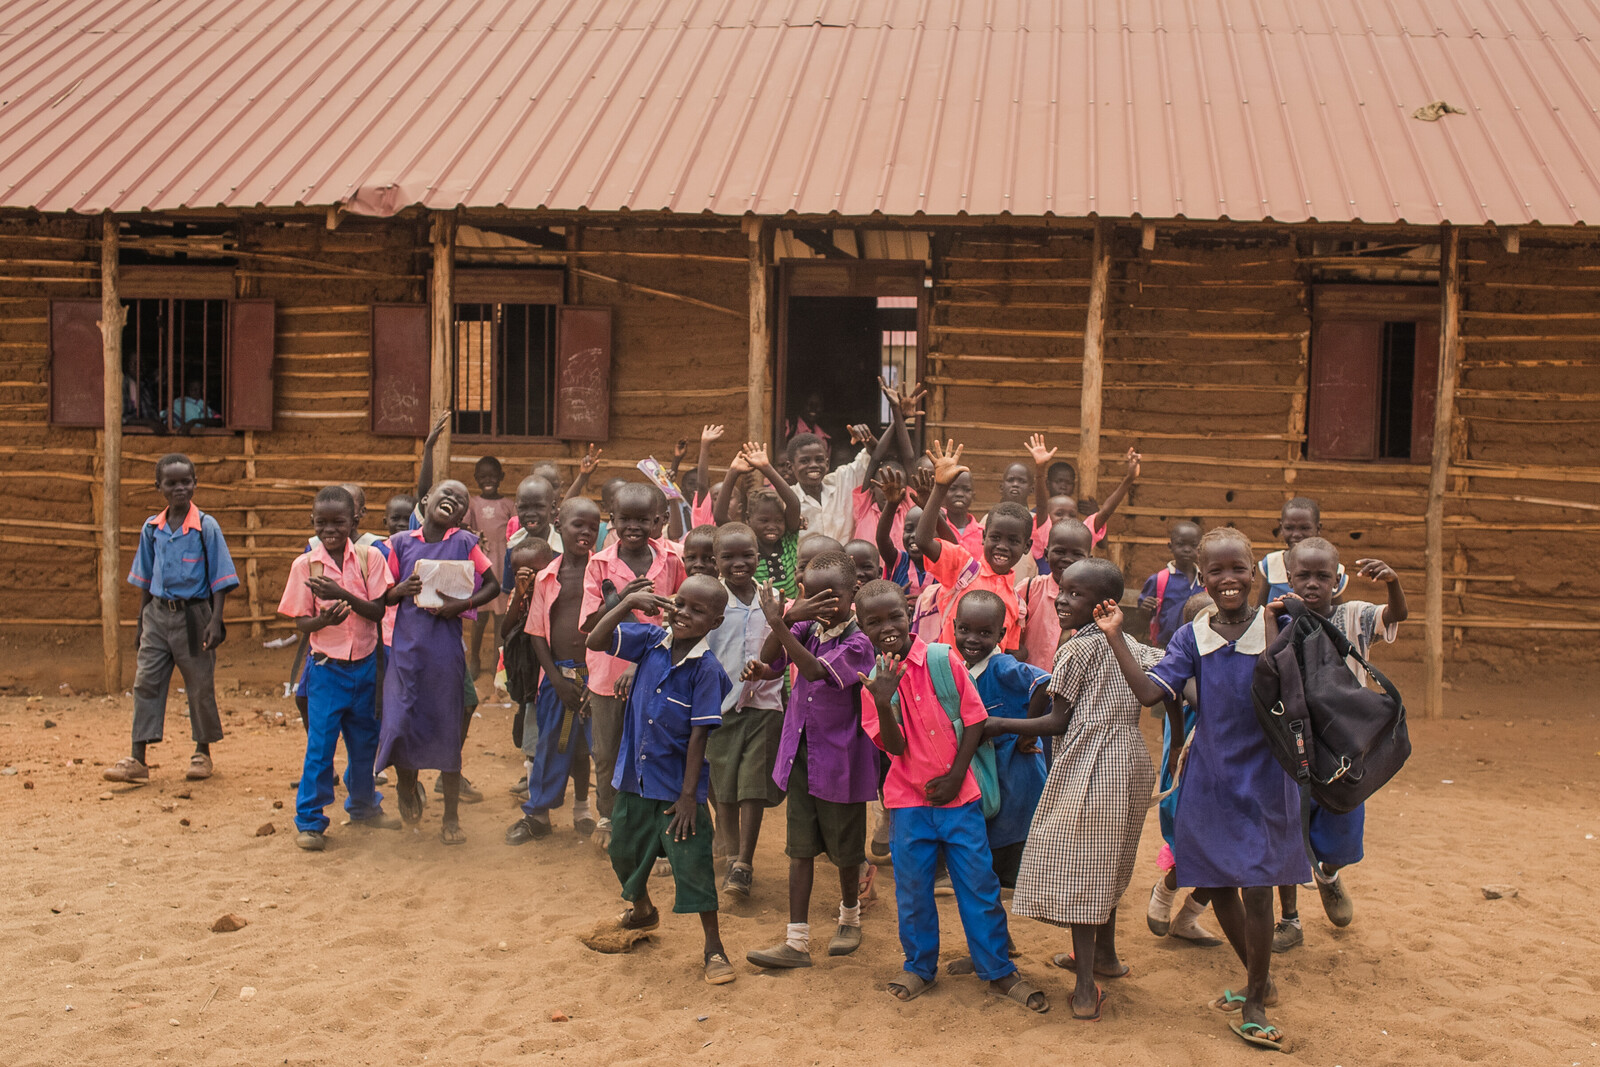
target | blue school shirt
x=1180, y=587
x=189, y=564
x=901, y=573
x=1006, y=685
x=666, y=703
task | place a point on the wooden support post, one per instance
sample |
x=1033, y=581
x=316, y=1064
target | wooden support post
x=1094, y=332
x=758, y=403
x=1443, y=420
x=442, y=298
x=112, y=317
x=252, y=523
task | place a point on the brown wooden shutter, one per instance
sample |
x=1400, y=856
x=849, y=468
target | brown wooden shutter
x=583, y=373
x=400, y=369
x=77, y=364
x=251, y=345
x=1342, y=420
x=1424, y=391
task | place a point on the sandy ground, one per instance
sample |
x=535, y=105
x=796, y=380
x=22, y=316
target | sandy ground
x=392, y=948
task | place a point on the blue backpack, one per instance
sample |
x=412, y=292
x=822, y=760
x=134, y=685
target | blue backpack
x=983, y=766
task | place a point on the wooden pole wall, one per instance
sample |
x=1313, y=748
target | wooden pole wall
x=1093, y=378
x=758, y=403
x=112, y=317
x=1438, y=474
x=442, y=296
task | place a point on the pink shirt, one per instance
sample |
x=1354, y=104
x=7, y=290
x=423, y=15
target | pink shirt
x=930, y=736
x=948, y=571
x=701, y=514
x=666, y=571
x=970, y=536
x=355, y=637
x=1041, y=535
x=546, y=587
x=1041, y=627
x=867, y=511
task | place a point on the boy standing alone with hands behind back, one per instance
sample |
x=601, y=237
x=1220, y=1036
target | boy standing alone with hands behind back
x=184, y=573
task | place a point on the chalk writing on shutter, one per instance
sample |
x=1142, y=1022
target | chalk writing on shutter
x=583, y=374
x=400, y=369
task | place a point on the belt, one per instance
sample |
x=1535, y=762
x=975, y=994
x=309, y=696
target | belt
x=176, y=605
x=322, y=660
x=190, y=626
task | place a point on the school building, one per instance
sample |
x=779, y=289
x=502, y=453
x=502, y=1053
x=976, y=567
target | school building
x=1328, y=249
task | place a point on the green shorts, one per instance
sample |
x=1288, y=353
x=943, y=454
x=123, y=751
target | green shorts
x=818, y=827
x=639, y=838
x=742, y=752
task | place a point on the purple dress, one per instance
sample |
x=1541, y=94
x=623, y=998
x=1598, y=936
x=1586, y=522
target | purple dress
x=1238, y=817
x=424, y=706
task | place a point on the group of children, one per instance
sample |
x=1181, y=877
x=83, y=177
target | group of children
x=826, y=637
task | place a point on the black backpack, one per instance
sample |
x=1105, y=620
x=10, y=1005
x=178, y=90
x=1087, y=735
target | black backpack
x=1338, y=739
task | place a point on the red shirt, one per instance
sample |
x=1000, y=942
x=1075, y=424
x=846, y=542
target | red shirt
x=949, y=570
x=930, y=736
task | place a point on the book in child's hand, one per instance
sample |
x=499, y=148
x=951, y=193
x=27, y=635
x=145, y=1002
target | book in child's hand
x=442, y=578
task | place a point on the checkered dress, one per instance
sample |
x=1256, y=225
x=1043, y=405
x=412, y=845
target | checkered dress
x=1085, y=833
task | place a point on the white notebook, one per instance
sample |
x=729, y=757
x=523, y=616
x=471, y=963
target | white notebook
x=450, y=577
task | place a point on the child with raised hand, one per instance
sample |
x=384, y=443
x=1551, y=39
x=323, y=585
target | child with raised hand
x=902, y=560
x=1167, y=591
x=1300, y=518
x=336, y=594
x=1085, y=836
x=935, y=798
x=561, y=708
x=774, y=516
x=424, y=707
x=744, y=749
x=954, y=567
x=184, y=573
x=890, y=453
x=661, y=780
x=1315, y=576
x=633, y=555
x=587, y=464
x=826, y=497
x=488, y=515
x=1060, y=506
x=1236, y=834
x=702, y=494
x=825, y=762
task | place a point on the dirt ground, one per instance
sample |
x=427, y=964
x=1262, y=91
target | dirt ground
x=392, y=948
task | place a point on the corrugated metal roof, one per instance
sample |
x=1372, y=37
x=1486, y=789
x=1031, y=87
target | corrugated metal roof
x=1202, y=109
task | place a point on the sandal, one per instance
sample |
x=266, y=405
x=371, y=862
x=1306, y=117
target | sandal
x=411, y=806
x=1267, y=1036
x=1022, y=991
x=452, y=835
x=911, y=986
x=1068, y=962
x=1099, y=1002
x=626, y=920
x=1231, y=1001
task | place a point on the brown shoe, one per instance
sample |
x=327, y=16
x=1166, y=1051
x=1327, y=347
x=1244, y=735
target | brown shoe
x=199, y=767
x=126, y=769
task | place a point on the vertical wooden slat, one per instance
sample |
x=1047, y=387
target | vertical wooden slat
x=1438, y=474
x=252, y=523
x=758, y=402
x=112, y=316
x=442, y=293
x=1094, y=332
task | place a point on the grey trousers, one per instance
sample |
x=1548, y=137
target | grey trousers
x=163, y=644
x=606, y=716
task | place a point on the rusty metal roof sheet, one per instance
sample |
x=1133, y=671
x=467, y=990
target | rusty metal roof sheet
x=1202, y=109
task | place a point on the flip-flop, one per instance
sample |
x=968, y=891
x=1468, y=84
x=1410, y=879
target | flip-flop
x=452, y=835
x=1099, y=1002
x=1022, y=991
x=411, y=807
x=1231, y=1001
x=625, y=921
x=913, y=986
x=1256, y=1034
x=1068, y=962
x=869, y=874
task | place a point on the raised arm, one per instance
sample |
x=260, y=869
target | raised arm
x=946, y=469
x=883, y=684
x=755, y=455
x=709, y=436
x=906, y=407
x=719, y=510
x=1108, y=616
x=1108, y=506
x=1041, y=480
x=425, y=469
x=803, y=610
x=1375, y=570
x=894, y=491
x=586, y=466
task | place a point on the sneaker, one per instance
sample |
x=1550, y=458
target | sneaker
x=583, y=824
x=526, y=829
x=662, y=868
x=845, y=940
x=381, y=821
x=126, y=769
x=718, y=970
x=467, y=794
x=1158, y=914
x=1186, y=927
x=381, y=778
x=1286, y=935
x=311, y=841
x=738, y=880
x=942, y=886
x=1335, y=901
x=602, y=833
x=199, y=767
x=780, y=957
x=519, y=788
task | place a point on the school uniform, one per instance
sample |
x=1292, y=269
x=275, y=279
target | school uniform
x=1171, y=594
x=744, y=750
x=366, y=540
x=923, y=833
x=553, y=736
x=181, y=570
x=605, y=710
x=958, y=572
x=825, y=763
x=1041, y=626
x=1041, y=539
x=1274, y=568
x=341, y=682
x=833, y=513
x=667, y=702
x=1006, y=685
x=909, y=574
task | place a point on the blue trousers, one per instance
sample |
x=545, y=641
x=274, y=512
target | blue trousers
x=1335, y=838
x=341, y=702
x=547, y=778
x=921, y=836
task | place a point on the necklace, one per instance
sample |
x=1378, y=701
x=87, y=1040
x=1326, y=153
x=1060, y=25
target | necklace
x=1245, y=615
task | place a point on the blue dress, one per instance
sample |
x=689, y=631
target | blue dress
x=1238, y=817
x=424, y=702
x=1006, y=686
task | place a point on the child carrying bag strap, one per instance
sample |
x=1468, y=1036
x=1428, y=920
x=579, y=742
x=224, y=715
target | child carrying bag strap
x=1163, y=576
x=983, y=765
